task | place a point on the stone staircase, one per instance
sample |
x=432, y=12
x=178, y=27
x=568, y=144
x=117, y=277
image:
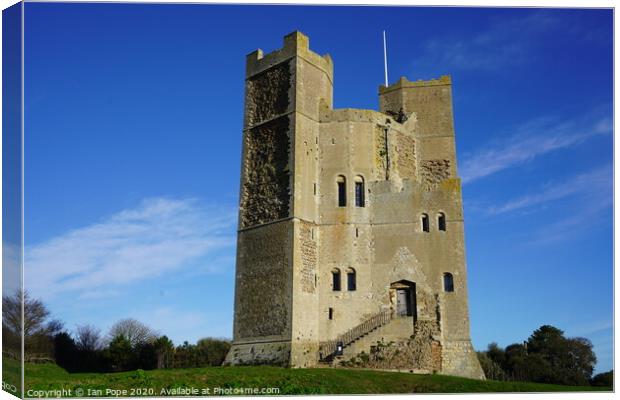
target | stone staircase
x=327, y=350
x=399, y=329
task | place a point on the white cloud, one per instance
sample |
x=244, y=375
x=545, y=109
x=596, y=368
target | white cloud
x=591, y=328
x=158, y=236
x=98, y=294
x=588, y=197
x=582, y=220
x=505, y=42
x=530, y=140
x=11, y=268
x=598, y=182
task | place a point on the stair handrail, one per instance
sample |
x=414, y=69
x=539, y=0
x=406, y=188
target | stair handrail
x=328, y=348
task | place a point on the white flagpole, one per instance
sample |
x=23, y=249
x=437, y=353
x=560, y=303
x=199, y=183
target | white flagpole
x=385, y=59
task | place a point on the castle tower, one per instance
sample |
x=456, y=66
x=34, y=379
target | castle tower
x=350, y=223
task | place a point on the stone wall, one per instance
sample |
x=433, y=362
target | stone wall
x=309, y=255
x=460, y=359
x=380, y=154
x=405, y=156
x=267, y=353
x=433, y=172
x=265, y=194
x=422, y=352
x=431, y=100
x=267, y=94
x=263, y=276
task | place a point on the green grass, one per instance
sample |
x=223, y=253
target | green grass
x=11, y=375
x=288, y=381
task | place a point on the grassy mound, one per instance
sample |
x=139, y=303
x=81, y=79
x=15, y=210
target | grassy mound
x=234, y=380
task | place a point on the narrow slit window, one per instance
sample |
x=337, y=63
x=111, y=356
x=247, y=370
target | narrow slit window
x=448, y=282
x=336, y=280
x=351, y=280
x=331, y=313
x=441, y=221
x=359, y=192
x=357, y=232
x=425, y=223
x=342, y=191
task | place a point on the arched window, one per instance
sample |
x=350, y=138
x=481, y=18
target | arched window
x=342, y=191
x=359, y=192
x=425, y=223
x=336, y=280
x=351, y=280
x=448, y=282
x=441, y=221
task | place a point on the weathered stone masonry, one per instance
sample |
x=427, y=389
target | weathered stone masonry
x=350, y=224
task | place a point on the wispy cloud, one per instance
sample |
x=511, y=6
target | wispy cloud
x=586, y=197
x=158, y=236
x=597, y=181
x=528, y=141
x=573, y=224
x=505, y=42
x=591, y=327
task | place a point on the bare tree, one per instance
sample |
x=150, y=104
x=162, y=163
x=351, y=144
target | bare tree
x=35, y=314
x=38, y=330
x=133, y=330
x=88, y=338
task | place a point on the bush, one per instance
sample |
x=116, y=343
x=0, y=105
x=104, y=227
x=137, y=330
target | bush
x=605, y=379
x=546, y=357
x=207, y=352
x=121, y=354
x=491, y=369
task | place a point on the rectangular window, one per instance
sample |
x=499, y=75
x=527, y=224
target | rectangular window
x=448, y=282
x=342, y=194
x=331, y=313
x=359, y=194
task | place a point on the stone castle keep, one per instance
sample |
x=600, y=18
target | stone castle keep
x=350, y=224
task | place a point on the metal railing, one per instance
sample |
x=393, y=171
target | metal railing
x=328, y=349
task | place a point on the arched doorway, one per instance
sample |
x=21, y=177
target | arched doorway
x=403, y=296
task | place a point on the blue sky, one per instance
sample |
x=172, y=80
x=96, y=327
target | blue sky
x=133, y=117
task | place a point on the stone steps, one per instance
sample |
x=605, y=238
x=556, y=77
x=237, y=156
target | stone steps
x=397, y=329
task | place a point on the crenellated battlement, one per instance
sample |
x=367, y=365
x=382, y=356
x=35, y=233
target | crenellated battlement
x=403, y=83
x=295, y=44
